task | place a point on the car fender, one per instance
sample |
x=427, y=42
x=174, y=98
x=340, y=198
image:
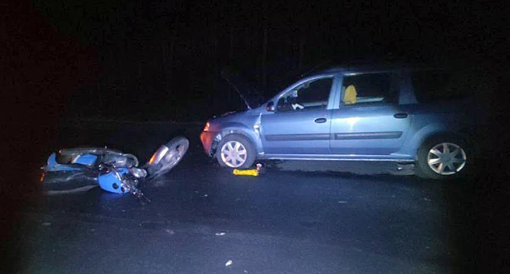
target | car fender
x=422, y=135
x=241, y=129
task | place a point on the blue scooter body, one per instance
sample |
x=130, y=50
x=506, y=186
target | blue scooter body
x=115, y=171
x=111, y=182
x=83, y=161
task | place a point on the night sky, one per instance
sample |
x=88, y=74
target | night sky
x=157, y=60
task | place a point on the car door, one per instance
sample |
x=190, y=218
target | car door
x=369, y=120
x=301, y=120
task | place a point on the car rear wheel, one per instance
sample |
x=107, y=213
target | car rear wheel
x=235, y=151
x=441, y=159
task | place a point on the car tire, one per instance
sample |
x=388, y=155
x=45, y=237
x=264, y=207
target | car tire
x=235, y=151
x=442, y=158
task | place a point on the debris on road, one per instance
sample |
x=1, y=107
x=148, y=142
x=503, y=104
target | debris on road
x=229, y=262
x=342, y=202
x=46, y=224
x=202, y=196
x=220, y=234
x=248, y=172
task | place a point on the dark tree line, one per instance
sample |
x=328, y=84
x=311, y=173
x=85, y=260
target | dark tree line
x=161, y=59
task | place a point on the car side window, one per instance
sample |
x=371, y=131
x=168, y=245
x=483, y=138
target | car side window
x=439, y=86
x=367, y=89
x=310, y=95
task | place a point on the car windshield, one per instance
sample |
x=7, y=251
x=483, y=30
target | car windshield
x=251, y=92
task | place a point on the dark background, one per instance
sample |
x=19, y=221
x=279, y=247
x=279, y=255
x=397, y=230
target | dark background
x=160, y=60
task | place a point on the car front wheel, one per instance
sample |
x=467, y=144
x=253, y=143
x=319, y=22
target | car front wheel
x=235, y=151
x=441, y=159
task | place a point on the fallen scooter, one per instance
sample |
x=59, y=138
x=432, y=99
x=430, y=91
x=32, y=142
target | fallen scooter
x=111, y=170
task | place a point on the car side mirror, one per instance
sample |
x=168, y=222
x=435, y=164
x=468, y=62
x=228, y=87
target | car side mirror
x=270, y=106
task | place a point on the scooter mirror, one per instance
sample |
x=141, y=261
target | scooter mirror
x=138, y=172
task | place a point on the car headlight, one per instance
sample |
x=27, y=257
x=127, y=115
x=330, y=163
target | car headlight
x=206, y=128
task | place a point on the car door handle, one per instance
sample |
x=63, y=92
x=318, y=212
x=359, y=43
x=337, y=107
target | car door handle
x=400, y=115
x=320, y=120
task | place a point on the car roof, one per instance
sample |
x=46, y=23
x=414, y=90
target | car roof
x=361, y=69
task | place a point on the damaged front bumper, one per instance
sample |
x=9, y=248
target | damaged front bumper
x=208, y=142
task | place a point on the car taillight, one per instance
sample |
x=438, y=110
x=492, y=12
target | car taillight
x=206, y=128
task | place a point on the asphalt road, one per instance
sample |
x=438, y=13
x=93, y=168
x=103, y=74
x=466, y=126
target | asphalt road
x=294, y=218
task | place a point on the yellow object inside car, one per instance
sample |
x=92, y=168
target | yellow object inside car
x=350, y=95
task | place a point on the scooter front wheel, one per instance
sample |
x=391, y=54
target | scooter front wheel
x=167, y=157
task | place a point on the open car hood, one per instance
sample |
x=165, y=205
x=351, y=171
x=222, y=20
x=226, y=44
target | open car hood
x=251, y=93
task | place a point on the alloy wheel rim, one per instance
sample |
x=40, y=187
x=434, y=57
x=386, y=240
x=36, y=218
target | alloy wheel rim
x=446, y=158
x=233, y=154
x=172, y=157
